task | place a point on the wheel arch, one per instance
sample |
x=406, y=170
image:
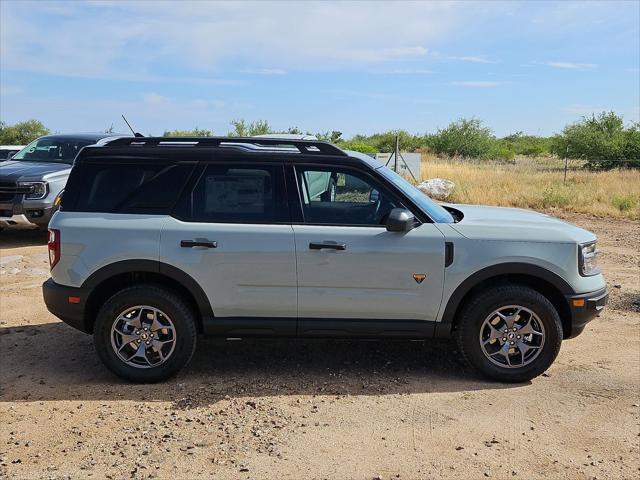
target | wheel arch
x=114, y=277
x=548, y=283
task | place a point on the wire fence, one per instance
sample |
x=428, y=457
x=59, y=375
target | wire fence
x=551, y=165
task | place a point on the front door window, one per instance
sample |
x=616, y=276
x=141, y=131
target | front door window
x=333, y=196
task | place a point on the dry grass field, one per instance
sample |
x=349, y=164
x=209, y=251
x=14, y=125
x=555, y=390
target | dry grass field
x=538, y=184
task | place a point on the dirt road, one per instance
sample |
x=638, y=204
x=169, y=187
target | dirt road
x=317, y=409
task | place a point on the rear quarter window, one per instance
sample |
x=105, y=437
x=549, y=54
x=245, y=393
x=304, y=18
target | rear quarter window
x=145, y=188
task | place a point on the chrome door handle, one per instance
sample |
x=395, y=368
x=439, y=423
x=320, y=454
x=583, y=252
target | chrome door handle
x=198, y=243
x=327, y=245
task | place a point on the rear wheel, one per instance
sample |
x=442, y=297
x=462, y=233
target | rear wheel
x=509, y=333
x=145, y=333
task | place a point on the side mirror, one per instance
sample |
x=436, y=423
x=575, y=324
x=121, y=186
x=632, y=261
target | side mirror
x=400, y=220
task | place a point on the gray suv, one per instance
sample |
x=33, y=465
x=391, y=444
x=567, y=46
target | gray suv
x=161, y=239
x=32, y=181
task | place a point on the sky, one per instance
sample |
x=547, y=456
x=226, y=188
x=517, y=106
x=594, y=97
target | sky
x=356, y=67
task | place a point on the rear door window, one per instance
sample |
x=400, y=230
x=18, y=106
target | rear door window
x=233, y=193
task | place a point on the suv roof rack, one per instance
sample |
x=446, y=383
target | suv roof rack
x=252, y=143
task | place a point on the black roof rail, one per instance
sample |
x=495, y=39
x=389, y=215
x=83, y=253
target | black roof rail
x=303, y=146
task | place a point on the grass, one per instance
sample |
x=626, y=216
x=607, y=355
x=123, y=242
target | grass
x=538, y=184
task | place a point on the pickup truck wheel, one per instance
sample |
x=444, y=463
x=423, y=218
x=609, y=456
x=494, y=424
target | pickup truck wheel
x=509, y=333
x=145, y=333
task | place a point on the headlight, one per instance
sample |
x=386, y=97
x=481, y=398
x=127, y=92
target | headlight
x=588, y=259
x=34, y=190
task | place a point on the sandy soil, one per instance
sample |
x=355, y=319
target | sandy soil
x=317, y=409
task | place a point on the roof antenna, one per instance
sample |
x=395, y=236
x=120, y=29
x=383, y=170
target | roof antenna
x=135, y=134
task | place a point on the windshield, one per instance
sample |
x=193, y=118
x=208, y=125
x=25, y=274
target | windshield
x=431, y=208
x=51, y=150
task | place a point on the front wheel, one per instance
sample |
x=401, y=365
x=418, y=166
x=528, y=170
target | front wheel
x=145, y=333
x=509, y=333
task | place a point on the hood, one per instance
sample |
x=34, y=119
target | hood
x=516, y=224
x=14, y=170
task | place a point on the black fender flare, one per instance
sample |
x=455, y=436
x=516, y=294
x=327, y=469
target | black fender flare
x=511, y=268
x=151, y=266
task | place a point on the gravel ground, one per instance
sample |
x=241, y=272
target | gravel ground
x=317, y=409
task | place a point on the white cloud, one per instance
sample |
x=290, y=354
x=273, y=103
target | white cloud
x=158, y=42
x=476, y=59
x=571, y=65
x=476, y=84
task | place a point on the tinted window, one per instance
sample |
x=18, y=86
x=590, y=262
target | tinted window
x=5, y=154
x=236, y=194
x=435, y=211
x=117, y=188
x=51, y=150
x=343, y=197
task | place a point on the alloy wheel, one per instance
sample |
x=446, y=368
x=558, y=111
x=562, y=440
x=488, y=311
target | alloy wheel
x=512, y=336
x=143, y=336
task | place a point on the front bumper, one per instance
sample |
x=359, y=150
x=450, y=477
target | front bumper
x=56, y=298
x=12, y=220
x=34, y=214
x=585, y=307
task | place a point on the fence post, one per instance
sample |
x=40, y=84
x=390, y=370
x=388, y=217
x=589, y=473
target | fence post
x=566, y=162
x=395, y=158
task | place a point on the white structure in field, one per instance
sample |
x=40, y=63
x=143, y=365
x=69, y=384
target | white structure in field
x=411, y=164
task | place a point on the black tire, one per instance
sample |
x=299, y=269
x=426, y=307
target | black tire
x=330, y=194
x=167, y=301
x=481, y=305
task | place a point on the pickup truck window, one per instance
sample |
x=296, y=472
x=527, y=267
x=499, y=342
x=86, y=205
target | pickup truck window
x=51, y=150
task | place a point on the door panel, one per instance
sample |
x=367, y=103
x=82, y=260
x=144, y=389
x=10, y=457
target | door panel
x=231, y=234
x=372, y=277
x=250, y=272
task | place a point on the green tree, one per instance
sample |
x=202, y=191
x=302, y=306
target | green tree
x=631, y=150
x=601, y=140
x=244, y=129
x=464, y=138
x=333, y=136
x=386, y=141
x=22, y=132
x=357, y=146
x=196, y=132
x=529, y=145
